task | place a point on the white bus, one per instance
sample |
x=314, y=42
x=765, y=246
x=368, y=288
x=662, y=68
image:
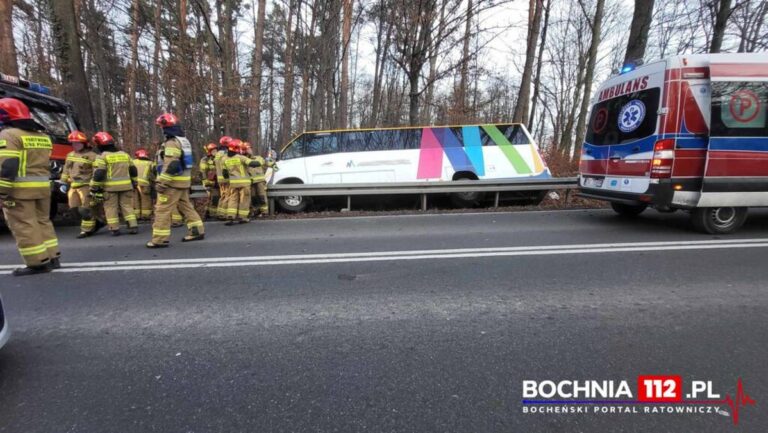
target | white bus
x=410, y=154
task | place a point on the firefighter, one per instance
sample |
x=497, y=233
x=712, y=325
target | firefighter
x=176, y=219
x=113, y=182
x=77, y=173
x=221, y=211
x=25, y=187
x=259, y=190
x=145, y=177
x=173, y=185
x=236, y=170
x=208, y=173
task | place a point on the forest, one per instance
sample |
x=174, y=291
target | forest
x=267, y=70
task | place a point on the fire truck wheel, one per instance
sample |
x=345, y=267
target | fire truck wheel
x=628, y=210
x=718, y=220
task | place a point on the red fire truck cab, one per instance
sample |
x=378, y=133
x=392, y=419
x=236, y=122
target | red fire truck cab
x=688, y=132
x=55, y=115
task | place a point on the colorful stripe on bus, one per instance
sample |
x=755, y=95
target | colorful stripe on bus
x=467, y=154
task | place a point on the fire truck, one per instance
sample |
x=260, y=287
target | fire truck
x=689, y=132
x=55, y=115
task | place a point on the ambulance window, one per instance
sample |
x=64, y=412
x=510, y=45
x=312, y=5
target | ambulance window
x=624, y=119
x=739, y=109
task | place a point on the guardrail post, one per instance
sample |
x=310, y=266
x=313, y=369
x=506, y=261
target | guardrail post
x=496, y=200
x=271, y=206
x=423, y=202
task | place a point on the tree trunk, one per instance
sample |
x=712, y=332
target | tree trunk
x=182, y=61
x=413, y=97
x=461, y=97
x=588, y=77
x=539, y=64
x=638, y=33
x=721, y=21
x=346, y=37
x=8, y=63
x=523, y=99
x=67, y=41
x=130, y=82
x=287, y=117
x=155, y=135
x=258, y=53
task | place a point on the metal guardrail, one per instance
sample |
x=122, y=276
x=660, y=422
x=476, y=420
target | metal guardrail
x=407, y=188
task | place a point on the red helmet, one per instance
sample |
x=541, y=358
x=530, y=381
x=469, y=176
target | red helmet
x=103, y=139
x=141, y=153
x=234, y=145
x=166, y=119
x=13, y=109
x=210, y=148
x=77, y=137
x=224, y=141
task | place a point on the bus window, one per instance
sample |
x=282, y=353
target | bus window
x=411, y=138
x=354, y=141
x=295, y=149
x=322, y=144
x=514, y=134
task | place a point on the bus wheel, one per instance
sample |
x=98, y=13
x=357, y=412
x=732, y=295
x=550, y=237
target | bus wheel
x=718, y=220
x=293, y=203
x=466, y=199
x=628, y=210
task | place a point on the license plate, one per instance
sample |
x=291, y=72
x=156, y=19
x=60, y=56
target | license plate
x=593, y=182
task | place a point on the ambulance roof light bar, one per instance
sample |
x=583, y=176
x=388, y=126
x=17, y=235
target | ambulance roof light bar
x=630, y=66
x=20, y=82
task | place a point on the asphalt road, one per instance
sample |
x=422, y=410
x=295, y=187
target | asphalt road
x=398, y=323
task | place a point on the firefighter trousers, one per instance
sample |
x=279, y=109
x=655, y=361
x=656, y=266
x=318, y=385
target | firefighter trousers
x=212, y=210
x=79, y=200
x=261, y=197
x=142, y=202
x=239, y=203
x=116, y=203
x=221, y=209
x=30, y=223
x=167, y=202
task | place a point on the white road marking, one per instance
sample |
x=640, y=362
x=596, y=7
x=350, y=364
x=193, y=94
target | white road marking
x=223, y=262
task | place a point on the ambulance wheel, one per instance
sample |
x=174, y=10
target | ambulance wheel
x=718, y=220
x=628, y=210
x=293, y=203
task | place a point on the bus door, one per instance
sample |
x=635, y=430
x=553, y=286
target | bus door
x=736, y=172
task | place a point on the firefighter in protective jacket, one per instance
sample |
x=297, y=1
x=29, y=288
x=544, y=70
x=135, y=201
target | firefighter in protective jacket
x=114, y=179
x=25, y=187
x=259, y=179
x=218, y=161
x=208, y=173
x=77, y=174
x=236, y=170
x=173, y=185
x=145, y=177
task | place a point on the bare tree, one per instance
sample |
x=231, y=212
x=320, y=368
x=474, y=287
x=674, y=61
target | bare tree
x=8, y=62
x=71, y=60
x=723, y=12
x=523, y=99
x=638, y=34
x=595, y=24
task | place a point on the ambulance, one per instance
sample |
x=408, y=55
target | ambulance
x=689, y=132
